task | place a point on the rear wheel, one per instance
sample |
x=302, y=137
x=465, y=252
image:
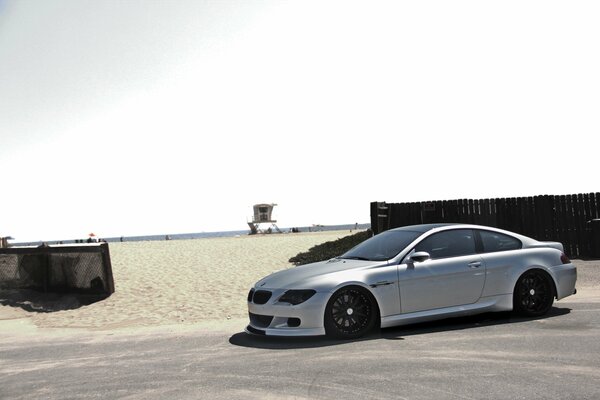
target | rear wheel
x=350, y=313
x=534, y=293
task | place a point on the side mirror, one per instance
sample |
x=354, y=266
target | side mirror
x=420, y=256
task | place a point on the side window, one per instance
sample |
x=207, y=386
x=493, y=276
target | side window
x=494, y=241
x=459, y=242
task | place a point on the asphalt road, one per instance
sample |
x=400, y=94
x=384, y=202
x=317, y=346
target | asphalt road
x=492, y=356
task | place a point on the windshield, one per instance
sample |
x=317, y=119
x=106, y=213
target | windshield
x=381, y=247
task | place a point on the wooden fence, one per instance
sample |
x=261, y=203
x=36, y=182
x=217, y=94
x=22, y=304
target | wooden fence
x=557, y=218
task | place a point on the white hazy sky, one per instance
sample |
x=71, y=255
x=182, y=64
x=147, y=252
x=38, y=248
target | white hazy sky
x=153, y=117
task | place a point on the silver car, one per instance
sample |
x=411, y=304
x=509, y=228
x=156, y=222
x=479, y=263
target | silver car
x=413, y=274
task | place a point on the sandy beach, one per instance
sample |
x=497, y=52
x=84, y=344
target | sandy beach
x=177, y=283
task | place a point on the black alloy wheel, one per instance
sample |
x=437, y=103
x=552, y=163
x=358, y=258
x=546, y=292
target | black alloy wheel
x=534, y=293
x=350, y=313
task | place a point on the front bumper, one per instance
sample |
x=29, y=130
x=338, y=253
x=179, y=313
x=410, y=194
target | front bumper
x=283, y=319
x=284, y=331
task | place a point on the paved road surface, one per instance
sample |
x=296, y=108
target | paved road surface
x=485, y=357
x=492, y=356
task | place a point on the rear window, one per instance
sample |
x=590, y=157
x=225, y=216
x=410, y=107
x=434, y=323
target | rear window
x=494, y=241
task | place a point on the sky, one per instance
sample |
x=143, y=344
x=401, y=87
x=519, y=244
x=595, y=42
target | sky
x=155, y=117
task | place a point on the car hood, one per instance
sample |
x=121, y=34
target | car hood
x=313, y=276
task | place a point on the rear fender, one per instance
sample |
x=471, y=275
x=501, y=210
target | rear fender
x=542, y=269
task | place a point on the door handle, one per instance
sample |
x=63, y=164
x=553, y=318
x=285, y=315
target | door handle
x=475, y=264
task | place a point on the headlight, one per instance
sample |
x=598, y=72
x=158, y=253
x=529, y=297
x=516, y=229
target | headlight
x=295, y=297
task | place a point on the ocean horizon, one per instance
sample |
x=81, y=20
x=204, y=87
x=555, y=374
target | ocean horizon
x=197, y=235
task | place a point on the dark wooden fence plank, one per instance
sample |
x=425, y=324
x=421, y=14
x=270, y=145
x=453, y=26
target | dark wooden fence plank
x=490, y=209
x=398, y=215
x=416, y=214
x=581, y=226
x=484, y=207
x=523, y=214
x=549, y=216
x=477, y=205
x=539, y=216
x=501, y=212
x=557, y=221
x=568, y=225
x=468, y=204
x=452, y=211
x=587, y=205
x=374, y=226
x=439, y=206
x=531, y=216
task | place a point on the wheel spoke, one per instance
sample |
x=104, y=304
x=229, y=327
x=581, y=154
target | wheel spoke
x=534, y=292
x=350, y=311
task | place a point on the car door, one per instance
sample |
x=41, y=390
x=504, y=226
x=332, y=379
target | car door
x=453, y=276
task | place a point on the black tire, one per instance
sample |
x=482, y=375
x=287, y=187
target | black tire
x=351, y=312
x=534, y=293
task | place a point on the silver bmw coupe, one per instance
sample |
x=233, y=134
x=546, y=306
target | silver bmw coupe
x=413, y=274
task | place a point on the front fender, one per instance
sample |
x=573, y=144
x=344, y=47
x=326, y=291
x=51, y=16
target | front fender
x=381, y=282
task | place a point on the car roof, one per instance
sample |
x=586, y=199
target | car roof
x=422, y=228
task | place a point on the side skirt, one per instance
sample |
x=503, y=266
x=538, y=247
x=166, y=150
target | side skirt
x=485, y=304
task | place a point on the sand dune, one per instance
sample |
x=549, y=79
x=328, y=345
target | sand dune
x=181, y=282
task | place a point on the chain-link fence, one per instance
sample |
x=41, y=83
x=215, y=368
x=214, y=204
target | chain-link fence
x=82, y=269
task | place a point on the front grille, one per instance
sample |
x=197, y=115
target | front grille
x=262, y=321
x=261, y=296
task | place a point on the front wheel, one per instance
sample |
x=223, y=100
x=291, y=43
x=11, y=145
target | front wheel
x=534, y=294
x=350, y=313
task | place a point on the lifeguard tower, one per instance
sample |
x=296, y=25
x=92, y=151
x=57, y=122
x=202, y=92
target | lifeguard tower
x=262, y=215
